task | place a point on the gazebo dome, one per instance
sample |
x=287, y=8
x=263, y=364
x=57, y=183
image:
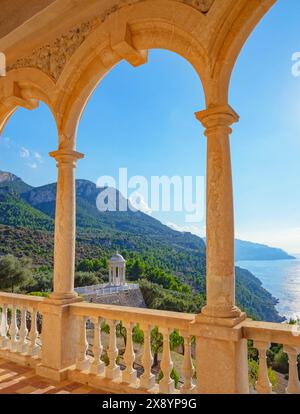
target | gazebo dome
x=117, y=258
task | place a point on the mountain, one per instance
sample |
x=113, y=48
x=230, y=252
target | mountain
x=27, y=223
x=245, y=250
x=10, y=181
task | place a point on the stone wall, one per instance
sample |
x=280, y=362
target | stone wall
x=132, y=298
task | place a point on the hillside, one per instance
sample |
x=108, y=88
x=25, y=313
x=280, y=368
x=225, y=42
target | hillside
x=26, y=228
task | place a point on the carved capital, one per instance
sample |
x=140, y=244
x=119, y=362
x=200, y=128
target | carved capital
x=66, y=158
x=217, y=117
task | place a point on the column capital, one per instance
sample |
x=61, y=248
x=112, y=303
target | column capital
x=66, y=156
x=217, y=116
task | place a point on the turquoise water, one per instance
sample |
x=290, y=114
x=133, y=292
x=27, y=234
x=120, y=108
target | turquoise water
x=282, y=279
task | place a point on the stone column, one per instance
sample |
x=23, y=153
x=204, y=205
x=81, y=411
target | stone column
x=220, y=270
x=61, y=330
x=65, y=225
x=110, y=276
x=221, y=351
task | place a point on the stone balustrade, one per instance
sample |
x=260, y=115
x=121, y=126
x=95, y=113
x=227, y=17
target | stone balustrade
x=100, y=363
x=97, y=373
x=264, y=334
x=20, y=328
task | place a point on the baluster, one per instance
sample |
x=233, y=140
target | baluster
x=4, y=327
x=187, y=367
x=33, y=348
x=166, y=384
x=113, y=370
x=294, y=383
x=98, y=366
x=147, y=379
x=13, y=330
x=263, y=385
x=23, y=343
x=130, y=374
x=83, y=361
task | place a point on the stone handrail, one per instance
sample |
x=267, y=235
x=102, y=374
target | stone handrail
x=100, y=290
x=20, y=324
x=263, y=334
x=147, y=319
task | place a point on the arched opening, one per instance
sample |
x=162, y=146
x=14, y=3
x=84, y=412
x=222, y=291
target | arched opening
x=27, y=194
x=265, y=152
x=139, y=124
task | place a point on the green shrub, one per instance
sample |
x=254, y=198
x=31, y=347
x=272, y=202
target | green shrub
x=104, y=358
x=174, y=376
x=253, y=373
x=281, y=362
x=41, y=294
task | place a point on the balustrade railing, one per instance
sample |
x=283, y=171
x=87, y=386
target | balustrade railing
x=264, y=334
x=112, y=349
x=93, y=358
x=20, y=324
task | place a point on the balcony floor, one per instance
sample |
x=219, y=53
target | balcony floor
x=16, y=379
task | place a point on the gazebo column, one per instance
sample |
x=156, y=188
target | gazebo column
x=221, y=353
x=60, y=329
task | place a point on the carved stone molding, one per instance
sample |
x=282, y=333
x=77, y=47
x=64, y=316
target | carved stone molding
x=52, y=58
x=202, y=5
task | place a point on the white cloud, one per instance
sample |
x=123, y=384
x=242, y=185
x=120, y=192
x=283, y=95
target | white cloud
x=198, y=231
x=38, y=157
x=287, y=239
x=24, y=153
x=32, y=165
x=139, y=203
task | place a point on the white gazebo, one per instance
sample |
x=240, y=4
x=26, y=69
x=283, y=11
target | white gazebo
x=117, y=265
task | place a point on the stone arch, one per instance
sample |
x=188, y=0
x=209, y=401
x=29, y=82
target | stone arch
x=24, y=87
x=150, y=25
x=225, y=48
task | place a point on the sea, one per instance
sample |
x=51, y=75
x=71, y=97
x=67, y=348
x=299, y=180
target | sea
x=282, y=279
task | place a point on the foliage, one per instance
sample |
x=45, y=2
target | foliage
x=156, y=297
x=41, y=282
x=92, y=265
x=253, y=373
x=137, y=335
x=86, y=279
x=174, y=376
x=156, y=344
x=104, y=358
x=121, y=333
x=14, y=272
x=172, y=260
x=40, y=294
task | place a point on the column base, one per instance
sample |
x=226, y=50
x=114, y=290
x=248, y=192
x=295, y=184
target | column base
x=147, y=383
x=113, y=373
x=129, y=377
x=167, y=387
x=60, y=335
x=202, y=318
x=52, y=374
x=221, y=355
x=221, y=311
x=64, y=298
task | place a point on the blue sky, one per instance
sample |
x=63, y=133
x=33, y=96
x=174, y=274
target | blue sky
x=143, y=119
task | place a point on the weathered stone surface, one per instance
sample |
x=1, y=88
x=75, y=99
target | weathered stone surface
x=132, y=298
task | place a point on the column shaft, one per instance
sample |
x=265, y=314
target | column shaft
x=65, y=225
x=220, y=270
